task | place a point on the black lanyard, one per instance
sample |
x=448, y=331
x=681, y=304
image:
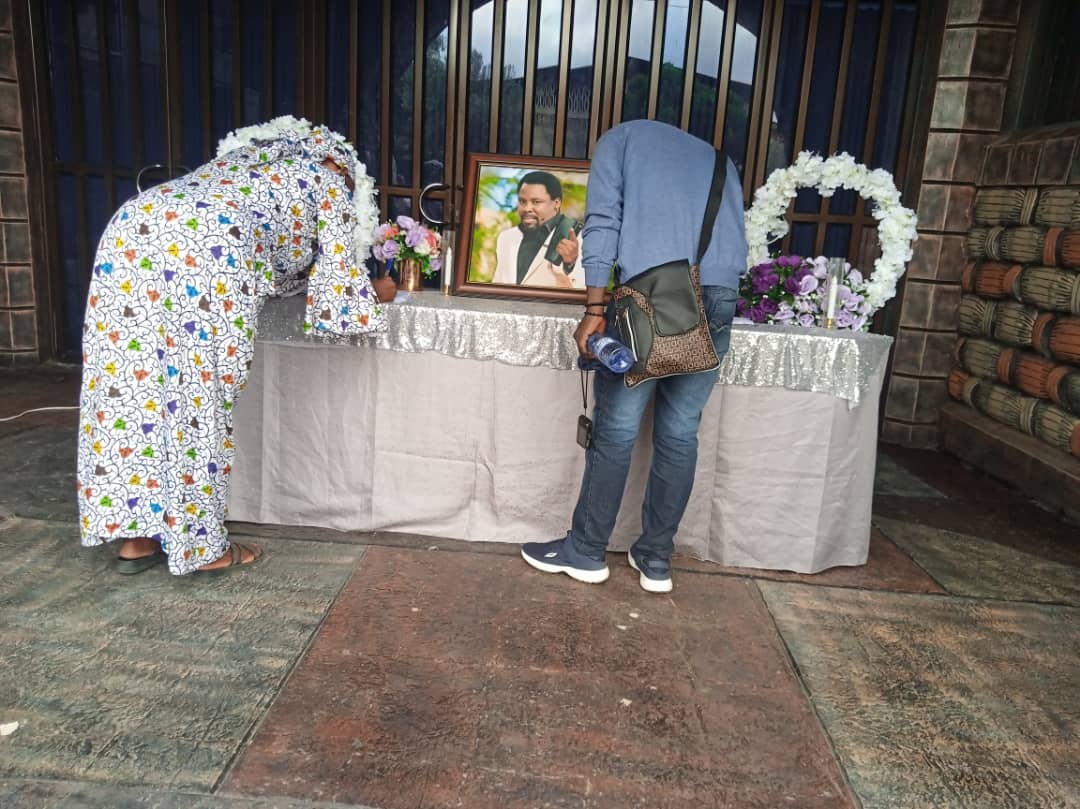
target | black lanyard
x=584, y=423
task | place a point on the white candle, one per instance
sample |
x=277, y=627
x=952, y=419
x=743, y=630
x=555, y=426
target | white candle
x=836, y=270
x=447, y=269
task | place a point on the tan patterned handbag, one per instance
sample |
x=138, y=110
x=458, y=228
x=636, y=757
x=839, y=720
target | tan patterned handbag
x=660, y=313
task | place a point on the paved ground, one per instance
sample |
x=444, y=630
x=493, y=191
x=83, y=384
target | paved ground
x=395, y=671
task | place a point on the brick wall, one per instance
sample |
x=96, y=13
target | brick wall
x=18, y=318
x=969, y=99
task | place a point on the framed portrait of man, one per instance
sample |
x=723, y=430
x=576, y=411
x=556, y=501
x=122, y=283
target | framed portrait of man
x=521, y=228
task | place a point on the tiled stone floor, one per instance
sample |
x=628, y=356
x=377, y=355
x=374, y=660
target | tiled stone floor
x=385, y=671
x=149, y=679
x=445, y=679
x=937, y=701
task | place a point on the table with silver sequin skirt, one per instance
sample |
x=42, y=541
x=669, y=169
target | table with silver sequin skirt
x=459, y=421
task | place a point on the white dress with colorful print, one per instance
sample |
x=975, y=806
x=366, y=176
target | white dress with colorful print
x=179, y=277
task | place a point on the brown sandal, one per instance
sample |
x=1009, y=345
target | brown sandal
x=237, y=561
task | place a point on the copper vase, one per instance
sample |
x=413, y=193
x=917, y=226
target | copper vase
x=409, y=277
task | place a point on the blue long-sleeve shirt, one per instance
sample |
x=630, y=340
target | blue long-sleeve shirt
x=648, y=187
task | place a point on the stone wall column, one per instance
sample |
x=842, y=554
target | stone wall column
x=969, y=99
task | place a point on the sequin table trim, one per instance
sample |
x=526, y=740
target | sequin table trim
x=840, y=363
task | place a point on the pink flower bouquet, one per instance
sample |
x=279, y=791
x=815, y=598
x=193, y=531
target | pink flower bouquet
x=405, y=238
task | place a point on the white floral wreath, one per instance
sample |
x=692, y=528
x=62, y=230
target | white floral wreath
x=364, y=202
x=766, y=222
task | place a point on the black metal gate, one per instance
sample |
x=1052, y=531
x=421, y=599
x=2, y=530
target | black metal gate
x=417, y=84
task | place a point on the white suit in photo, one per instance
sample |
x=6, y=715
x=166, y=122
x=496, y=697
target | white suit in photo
x=541, y=272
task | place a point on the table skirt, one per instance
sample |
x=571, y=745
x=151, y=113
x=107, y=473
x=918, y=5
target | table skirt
x=366, y=439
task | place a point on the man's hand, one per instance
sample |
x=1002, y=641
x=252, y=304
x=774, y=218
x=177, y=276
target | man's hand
x=385, y=288
x=568, y=250
x=590, y=324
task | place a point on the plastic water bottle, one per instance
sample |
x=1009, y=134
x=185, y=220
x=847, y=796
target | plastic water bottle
x=612, y=354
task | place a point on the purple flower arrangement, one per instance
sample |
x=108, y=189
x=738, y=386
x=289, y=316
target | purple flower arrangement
x=792, y=290
x=405, y=238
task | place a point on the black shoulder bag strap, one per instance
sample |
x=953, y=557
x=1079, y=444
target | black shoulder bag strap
x=716, y=194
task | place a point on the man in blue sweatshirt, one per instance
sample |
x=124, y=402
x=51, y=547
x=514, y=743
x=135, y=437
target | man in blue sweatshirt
x=648, y=187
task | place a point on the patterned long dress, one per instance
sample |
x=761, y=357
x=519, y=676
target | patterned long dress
x=180, y=275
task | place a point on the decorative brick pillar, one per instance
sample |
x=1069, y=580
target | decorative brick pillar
x=969, y=99
x=18, y=318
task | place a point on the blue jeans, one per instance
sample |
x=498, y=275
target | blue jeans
x=617, y=416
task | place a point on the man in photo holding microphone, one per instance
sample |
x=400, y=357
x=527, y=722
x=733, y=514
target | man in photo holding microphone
x=542, y=250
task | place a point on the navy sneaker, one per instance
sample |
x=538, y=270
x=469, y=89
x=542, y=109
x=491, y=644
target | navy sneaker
x=559, y=556
x=655, y=572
